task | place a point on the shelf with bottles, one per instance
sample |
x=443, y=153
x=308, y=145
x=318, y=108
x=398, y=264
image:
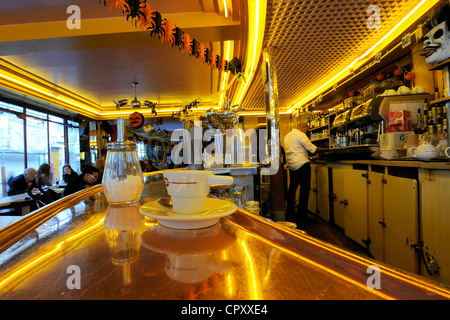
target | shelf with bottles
x=320, y=139
x=318, y=120
x=440, y=100
x=432, y=126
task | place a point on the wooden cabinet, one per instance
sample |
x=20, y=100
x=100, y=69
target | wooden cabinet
x=393, y=220
x=323, y=193
x=434, y=188
x=376, y=215
x=401, y=218
x=380, y=212
x=337, y=193
x=401, y=222
x=312, y=202
x=319, y=196
x=355, y=205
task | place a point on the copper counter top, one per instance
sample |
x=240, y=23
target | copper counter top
x=65, y=251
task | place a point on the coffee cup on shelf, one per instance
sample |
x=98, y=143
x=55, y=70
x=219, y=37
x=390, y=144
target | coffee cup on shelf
x=188, y=188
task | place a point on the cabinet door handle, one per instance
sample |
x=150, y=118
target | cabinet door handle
x=333, y=196
x=382, y=223
x=344, y=202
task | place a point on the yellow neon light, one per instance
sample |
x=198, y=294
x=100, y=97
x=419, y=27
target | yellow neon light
x=259, y=113
x=50, y=94
x=257, y=13
x=58, y=246
x=225, y=8
x=389, y=36
x=26, y=85
x=78, y=105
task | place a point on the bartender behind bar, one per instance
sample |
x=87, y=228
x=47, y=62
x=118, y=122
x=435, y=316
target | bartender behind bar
x=297, y=145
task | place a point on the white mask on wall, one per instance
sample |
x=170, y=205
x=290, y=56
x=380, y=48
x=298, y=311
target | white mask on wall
x=436, y=44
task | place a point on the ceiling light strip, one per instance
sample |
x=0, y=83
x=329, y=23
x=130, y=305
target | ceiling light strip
x=430, y=4
x=52, y=95
x=256, y=25
x=225, y=8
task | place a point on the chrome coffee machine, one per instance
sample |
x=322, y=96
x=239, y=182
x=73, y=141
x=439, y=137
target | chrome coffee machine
x=359, y=129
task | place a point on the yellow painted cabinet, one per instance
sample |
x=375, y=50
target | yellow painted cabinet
x=323, y=194
x=376, y=215
x=435, y=224
x=337, y=196
x=393, y=220
x=355, y=205
x=312, y=202
x=401, y=222
x=319, y=196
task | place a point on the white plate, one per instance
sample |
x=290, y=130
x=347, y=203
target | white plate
x=214, y=209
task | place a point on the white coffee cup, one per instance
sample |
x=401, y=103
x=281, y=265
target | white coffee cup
x=446, y=152
x=188, y=188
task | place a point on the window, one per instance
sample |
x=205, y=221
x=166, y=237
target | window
x=57, y=146
x=12, y=145
x=37, y=139
x=29, y=138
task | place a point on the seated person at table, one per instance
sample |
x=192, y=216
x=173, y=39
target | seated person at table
x=86, y=179
x=68, y=174
x=23, y=182
x=43, y=176
x=148, y=166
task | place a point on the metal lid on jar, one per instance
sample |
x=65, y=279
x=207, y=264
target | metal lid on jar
x=121, y=146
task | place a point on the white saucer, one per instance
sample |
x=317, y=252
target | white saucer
x=214, y=209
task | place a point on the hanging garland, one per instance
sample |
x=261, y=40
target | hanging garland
x=146, y=19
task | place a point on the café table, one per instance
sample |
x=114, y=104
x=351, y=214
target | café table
x=22, y=201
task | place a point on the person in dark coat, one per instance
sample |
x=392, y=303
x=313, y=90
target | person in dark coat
x=43, y=176
x=68, y=174
x=86, y=179
x=23, y=182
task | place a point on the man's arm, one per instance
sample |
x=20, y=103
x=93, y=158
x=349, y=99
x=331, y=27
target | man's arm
x=319, y=149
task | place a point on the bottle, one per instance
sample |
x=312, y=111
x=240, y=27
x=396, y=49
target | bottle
x=436, y=93
x=442, y=140
x=432, y=120
x=439, y=115
x=424, y=121
x=431, y=136
x=425, y=113
x=419, y=120
x=122, y=181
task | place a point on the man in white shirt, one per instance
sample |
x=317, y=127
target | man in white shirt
x=297, y=145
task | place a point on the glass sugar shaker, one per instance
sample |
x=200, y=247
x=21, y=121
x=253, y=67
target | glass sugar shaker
x=122, y=181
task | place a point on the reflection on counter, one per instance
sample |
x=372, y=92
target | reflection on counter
x=189, y=253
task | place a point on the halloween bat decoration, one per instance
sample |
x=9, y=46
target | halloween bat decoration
x=136, y=120
x=146, y=19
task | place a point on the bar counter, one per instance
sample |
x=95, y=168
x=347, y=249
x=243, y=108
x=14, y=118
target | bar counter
x=66, y=251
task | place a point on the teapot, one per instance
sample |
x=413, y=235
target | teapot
x=425, y=151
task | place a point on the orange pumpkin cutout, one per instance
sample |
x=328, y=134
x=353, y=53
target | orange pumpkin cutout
x=136, y=120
